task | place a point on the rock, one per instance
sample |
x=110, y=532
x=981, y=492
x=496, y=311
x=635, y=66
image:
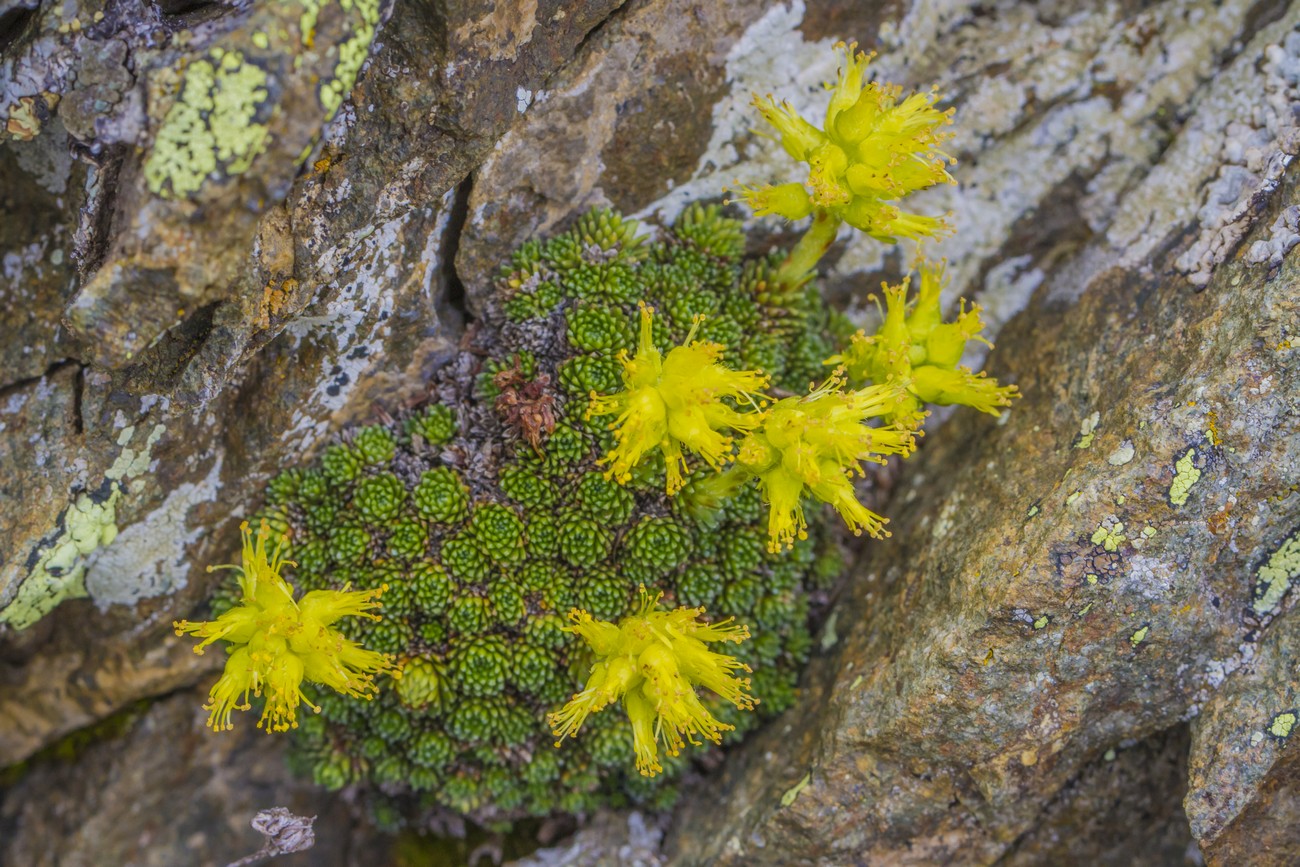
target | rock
x=1071, y=578
x=172, y=338
x=127, y=800
x=216, y=331
x=1243, y=777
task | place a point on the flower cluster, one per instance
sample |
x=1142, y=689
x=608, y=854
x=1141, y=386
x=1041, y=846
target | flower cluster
x=815, y=444
x=717, y=386
x=276, y=643
x=872, y=151
x=673, y=401
x=917, y=350
x=652, y=661
x=811, y=445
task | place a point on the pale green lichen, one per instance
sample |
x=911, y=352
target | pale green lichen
x=131, y=461
x=1140, y=635
x=1109, y=537
x=352, y=52
x=793, y=792
x=59, y=572
x=1185, y=477
x=1087, y=431
x=1274, y=578
x=212, y=126
x=1042, y=622
x=1282, y=724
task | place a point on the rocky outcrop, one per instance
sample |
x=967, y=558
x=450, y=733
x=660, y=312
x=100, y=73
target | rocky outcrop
x=1084, y=614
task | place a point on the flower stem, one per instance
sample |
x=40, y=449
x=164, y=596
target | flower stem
x=801, y=264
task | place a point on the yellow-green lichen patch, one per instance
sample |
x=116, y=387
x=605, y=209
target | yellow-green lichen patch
x=216, y=124
x=829, y=636
x=1281, y=725
x=1274, y=578
x=793, y=792
x=352, y=52
x=1042, y=621
x=1185, y=476
x=1087, y=431
x=1140, y=635
x=1109, y=536
x=58, y=569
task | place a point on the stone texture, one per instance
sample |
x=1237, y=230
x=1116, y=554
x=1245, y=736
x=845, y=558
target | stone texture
x=125, y=801
x=163, y=355
x=1243, y=794
x=280, y=303
x=1063, y=581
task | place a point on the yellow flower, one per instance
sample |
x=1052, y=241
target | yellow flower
x=873, y=150
x=915, y=348
x=675, y=401
x=652, y=661
x=277, y=643
x=813, y=445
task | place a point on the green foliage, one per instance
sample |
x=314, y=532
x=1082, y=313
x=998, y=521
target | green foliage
x=595, y=328
x=379, y=498
x=435, y=424
x=583, y=542
x=706, y=228
x=408, y=540
x=441, y=496
x=499, y=532
x=487, y=546
x=375, y=444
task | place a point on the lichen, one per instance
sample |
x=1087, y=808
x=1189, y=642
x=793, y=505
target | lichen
x=1281, y=725
x=218, y=123
x=1185, y=476
x=59, y=568
x=1273, y=579
x=1109, y=535
x=352, y=52
x=1087, y=431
